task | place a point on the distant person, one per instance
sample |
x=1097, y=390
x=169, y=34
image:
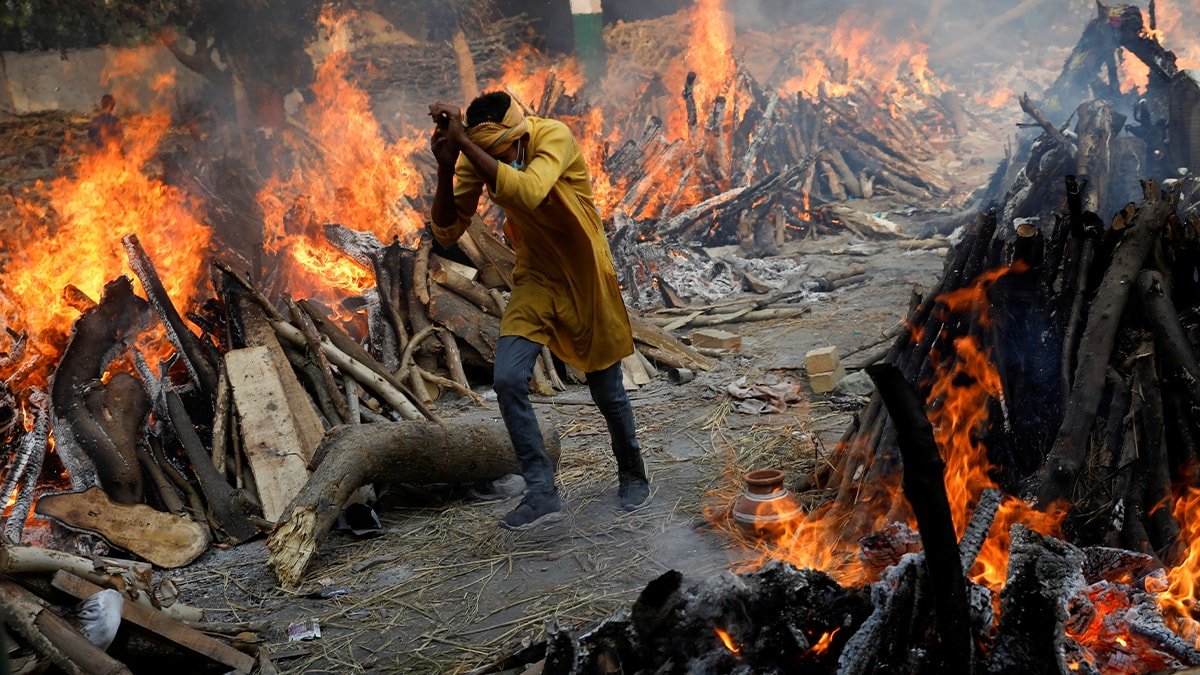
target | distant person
x=565, y=292
x=105, y=126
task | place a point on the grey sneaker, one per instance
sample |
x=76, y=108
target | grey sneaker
x=633, y=492
x=534, y=509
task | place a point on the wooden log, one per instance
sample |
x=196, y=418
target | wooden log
x=476, y=293
x=466, y=320
x=227, y=510
x=89, y=454
x=27, y=468
x=468, y=83
x=395, y=397
x=161, y=625
x=474, y=448
x=164, y=539
x=194, y=354
x=168, y=494
x=665, y=345
x=313, y=340
x=221, y=418
x=925, y=489
x=1043, y=574
x=52, y=636
x=977, y=530
x=1179, y=360
x=272, y=442
x=1057, y=476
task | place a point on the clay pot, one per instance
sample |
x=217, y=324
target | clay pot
x=766, y=506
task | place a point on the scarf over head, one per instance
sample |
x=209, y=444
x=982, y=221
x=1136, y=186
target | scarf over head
x=496, y=137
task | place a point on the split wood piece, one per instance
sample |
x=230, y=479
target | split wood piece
x=1038, y=116
x=52, y=636
x=925, y=489
x=259, y=332
x=391, y=395
x=26, y=468
x=181, y=483
x=1043, y=574
x=491, y=257
x=162, y=626
x=168, y=494
x=977, y=530
x=224, y=507
x=749, y=315
x=1057, y=476
x=667, y=345
x=475, y=292
x=474, y=448
x=270, y=436
x=632, y=366
x=557, y=383
x=390, y=289
x=467, y=321
x=313, y=339
x=881, y=643
x=1178, y=358
x=166, y=540
x=221, y=420
x=344, y=343
x=453, y=358
x=90, y=455
x=194, y=353
x=1152, y=474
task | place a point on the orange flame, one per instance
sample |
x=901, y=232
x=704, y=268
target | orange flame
x=727, y=640
x=860, y=55
x=823, y=643
x=357, y=179
x=112, y=191
x=1176, y=595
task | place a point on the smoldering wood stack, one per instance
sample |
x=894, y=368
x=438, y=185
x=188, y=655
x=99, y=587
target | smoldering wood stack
x=1093, y=330
x=758, y=164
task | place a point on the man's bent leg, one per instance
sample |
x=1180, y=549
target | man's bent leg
x=608, y=392
x=515, y=358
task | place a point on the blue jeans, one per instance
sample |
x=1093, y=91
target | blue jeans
x=515, y=358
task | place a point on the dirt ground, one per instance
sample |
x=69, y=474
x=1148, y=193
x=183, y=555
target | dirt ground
x=444, y=590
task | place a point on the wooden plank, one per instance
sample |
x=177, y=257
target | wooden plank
x=159, y=624
x=259, y=333
x=165, y=539
x=271, y=436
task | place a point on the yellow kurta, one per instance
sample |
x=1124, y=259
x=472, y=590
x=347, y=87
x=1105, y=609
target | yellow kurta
x=565, y=292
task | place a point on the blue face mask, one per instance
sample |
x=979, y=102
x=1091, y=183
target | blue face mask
x=516, y=164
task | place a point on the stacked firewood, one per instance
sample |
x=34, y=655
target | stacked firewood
x=757, y=164
x=96, y=614
x=216, y=441
x=1093, y=328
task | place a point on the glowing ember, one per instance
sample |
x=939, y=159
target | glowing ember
x=727, y=640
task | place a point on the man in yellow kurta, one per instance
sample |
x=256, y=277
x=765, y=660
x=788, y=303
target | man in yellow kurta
x=565, y=292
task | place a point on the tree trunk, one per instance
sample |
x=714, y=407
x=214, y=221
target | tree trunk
x=470, y=448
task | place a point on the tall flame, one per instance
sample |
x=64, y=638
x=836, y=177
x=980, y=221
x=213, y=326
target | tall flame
x=112, y=191
x=357, y=178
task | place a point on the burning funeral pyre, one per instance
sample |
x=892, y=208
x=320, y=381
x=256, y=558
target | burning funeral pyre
x=294, y=335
